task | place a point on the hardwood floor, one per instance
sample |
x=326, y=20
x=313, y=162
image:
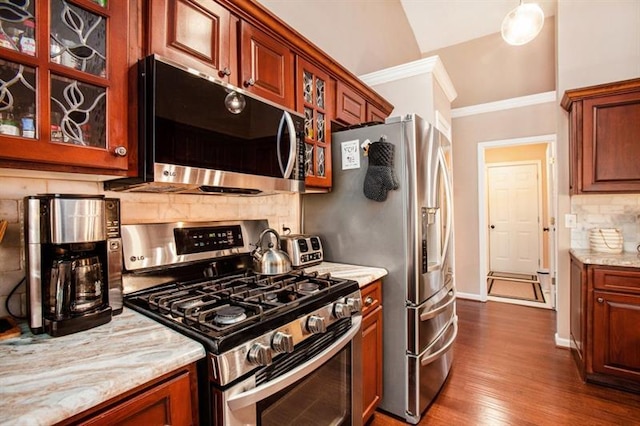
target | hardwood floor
x=508, y=371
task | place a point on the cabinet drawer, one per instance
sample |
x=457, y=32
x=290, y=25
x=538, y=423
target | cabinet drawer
x=371, y=297
x=626, y=280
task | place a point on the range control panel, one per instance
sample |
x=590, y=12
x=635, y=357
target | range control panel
x=210, y=238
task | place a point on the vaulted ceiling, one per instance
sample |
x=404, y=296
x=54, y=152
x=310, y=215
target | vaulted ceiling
x=441, y=23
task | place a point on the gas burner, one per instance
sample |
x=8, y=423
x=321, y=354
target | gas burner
x=308, y=287
x=230, y=315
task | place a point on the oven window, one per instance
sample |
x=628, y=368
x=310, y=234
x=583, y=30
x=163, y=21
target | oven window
x=322, y=398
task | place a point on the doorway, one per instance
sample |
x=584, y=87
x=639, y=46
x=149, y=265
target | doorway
x=516, y=188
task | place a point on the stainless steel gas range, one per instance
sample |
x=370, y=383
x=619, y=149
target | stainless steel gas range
x=281, y=349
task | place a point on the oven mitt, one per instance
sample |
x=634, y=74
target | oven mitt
x=380, y=177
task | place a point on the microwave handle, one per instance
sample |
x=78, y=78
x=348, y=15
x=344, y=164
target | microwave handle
x=292, y=145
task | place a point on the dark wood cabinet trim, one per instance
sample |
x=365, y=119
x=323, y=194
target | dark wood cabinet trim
x=617, y=88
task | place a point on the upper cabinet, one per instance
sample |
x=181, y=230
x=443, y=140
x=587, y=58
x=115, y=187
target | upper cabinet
x=63, y=69
x=604, y=137
x=350, y=106
x=209, y=49
x=267, y=66
x=316, y=91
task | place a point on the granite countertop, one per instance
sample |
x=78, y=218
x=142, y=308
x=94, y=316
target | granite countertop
x=626, y=259
x=362, y=274
x=44, y=379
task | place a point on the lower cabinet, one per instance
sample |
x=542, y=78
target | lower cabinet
x=168, y=400
x=371, y=348
x=608, y=314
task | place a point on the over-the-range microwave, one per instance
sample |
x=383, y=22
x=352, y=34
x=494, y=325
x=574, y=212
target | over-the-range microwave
x=200, y=135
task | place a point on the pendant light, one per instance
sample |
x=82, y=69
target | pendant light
x=522, y=24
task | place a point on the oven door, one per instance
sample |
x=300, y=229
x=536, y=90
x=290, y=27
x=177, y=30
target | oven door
x=325, y=390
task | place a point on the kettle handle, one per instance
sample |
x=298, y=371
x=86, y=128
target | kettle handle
x=274, y=232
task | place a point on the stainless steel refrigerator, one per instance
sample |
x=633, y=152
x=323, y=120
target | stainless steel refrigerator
x=408, y=231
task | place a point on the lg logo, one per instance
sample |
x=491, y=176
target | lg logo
x=169, y=173
x=136, y=258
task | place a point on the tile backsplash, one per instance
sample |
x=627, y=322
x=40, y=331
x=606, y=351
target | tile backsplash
x=606, y=211
x=280, y=210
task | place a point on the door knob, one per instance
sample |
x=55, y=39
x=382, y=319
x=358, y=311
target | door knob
x=493, y=227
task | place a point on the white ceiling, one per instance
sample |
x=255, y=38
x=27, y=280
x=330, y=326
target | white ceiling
x=441, y=23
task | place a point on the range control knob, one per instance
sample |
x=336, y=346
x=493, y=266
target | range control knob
x=316, y=324
x=259, y=354
x=354, y=304
x=282, y=342
x=341, y=310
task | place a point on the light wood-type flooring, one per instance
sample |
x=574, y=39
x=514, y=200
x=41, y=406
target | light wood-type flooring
x=508, y=371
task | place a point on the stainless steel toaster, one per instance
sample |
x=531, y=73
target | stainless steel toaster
x=303, y=250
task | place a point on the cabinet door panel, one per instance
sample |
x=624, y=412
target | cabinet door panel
x=616, y=335
x=375, y=114
x=267, y=66
x=371, y=362
x=195, y=33
x=350, y=106
x=611, y=134
x=315, y=101
x=76, y=106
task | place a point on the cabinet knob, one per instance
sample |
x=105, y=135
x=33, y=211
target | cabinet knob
x=225, y=72
x=120, y=151
x=600, y=300
x=368, y=301
x=249, y=82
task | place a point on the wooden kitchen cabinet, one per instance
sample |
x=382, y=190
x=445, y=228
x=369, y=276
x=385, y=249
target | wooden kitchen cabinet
x=351, y=107
x=168, y=400
x=210, y=49
x=375, y=114
x=65, y=106
x=604, y=137
x=371, y=348
x=608, y=324
x=316, y=90
x=267, y=66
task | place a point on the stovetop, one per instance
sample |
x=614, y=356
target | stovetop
x=226, y=311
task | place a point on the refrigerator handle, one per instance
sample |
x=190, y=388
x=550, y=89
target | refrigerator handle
x=428, y=359
x=449, y=197
x=435, y=311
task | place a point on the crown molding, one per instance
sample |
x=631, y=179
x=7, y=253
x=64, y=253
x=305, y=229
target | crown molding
x=506, y=104
x=432, y=65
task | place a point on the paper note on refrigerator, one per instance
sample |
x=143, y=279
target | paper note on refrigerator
x=350, y=154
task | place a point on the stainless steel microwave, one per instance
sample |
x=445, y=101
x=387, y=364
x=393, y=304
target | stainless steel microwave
x=200, y=135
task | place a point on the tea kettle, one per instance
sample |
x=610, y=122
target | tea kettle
x=271, y=261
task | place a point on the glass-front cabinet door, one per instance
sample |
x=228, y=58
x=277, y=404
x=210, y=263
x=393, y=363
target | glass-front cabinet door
x=314, y=100
x=63, y=85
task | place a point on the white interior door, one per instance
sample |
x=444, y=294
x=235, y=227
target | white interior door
x=514, y=212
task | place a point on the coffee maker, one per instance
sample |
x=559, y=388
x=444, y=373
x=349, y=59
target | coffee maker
x=74, y=262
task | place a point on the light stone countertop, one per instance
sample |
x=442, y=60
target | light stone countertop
x=44, y=379
x=625, y=259
x=362, y=274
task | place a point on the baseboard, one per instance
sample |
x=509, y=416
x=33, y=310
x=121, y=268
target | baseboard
x=562, y=343
x=469, y=296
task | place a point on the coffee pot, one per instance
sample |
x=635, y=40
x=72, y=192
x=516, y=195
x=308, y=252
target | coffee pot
x=271, y=261
x=74, y=262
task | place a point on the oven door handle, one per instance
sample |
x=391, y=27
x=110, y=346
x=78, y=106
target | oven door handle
x=251, y=397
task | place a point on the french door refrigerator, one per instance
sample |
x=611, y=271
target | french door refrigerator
x=406, y=228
